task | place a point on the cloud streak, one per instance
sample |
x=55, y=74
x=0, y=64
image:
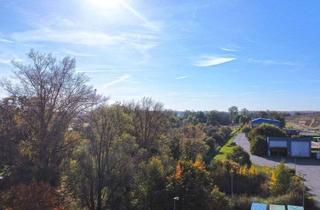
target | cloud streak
x=182, y=77
x=5, y=40
x=271, y=62
x=116, y=81
x=229, y=49
x=208, y=61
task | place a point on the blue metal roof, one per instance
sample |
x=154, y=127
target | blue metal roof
x=259, y=206
x=265, y=120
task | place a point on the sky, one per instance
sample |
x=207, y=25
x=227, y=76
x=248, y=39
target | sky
x=187, y=54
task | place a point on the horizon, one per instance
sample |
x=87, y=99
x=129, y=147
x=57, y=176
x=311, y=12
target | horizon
x=190, y=55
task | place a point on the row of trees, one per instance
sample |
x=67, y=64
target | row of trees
x=62, y=147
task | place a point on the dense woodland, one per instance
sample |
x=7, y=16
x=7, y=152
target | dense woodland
x=62, y=146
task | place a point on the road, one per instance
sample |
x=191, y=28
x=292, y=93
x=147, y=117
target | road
x=309, y=168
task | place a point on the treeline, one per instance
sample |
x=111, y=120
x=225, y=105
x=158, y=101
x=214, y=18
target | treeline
x=63, y=147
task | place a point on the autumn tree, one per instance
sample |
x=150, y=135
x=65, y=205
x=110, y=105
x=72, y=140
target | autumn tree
x=50, y=95
x=150, y=122
x=98, y=173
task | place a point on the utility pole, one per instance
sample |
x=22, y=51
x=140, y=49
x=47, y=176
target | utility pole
x=303, y=191
x=231, y=183
x=174, y=202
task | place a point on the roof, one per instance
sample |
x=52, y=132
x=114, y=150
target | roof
x=259, y=206
x=265, y=120
x=289, y=139
x=295, y=207
x=277, y=207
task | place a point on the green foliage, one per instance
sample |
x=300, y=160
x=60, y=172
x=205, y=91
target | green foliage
x=192, y=184
x=280, y=179
x=266, y=131
x=259, y=146
x=150, y=186
x=246, y=129
x=66, y=148
x=239, y=156
x=219, y=200
x=241, y=202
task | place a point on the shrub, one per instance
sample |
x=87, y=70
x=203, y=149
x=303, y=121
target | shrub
x=280, y=180
x=266, y=131
x=219, y=200
x=239, y=156
x=241, y=202
x=37, y=196
x=258, y=146
x=246, y=129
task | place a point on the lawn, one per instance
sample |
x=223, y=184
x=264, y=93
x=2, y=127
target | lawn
x=228, y=148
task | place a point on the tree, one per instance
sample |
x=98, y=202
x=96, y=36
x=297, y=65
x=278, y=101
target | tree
x=150, y=121
x=266, y=131
x=258, y=146
x=50, y=95
x=150, y=186
x=240, y=156
x=37, y=196
x=280, y=179
x=233, y=111
x=219, y=200
x=192, y=184
x=100, y=169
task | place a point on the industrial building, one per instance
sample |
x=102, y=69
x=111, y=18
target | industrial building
x=289, y=147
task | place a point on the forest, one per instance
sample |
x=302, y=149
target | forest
x=63, y=146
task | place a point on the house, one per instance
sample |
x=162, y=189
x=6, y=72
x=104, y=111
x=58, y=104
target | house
x=290, y=147
x=259, y=121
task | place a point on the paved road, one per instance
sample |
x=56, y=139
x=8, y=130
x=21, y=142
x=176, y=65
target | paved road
x=309, y=168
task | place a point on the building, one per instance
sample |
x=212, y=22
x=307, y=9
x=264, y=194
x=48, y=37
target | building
x=259, y=121
x=290, y=147
x=292, y=132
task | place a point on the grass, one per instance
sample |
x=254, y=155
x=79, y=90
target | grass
x=228, y=148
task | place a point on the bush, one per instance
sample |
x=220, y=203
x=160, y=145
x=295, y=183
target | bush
x=240, y=156
x=280, y=180
x=219, y=200
x=37, y=196
x=246, y=129
x=266, y=131
x=241, y=202
x=259, y=146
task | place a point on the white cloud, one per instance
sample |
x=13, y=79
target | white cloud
x=182, y=77
x=5, y=40
x=5, y=61
x=89, y=38
x=208, y=61
x=271, y=62
x=116, y=81
x=229, y=49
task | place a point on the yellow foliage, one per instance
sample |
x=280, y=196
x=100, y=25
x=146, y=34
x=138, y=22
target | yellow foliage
x=199, y=164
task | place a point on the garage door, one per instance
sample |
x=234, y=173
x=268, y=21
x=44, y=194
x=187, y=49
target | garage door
x=300, y=149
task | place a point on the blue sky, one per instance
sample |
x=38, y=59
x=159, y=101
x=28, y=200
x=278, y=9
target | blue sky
x=198, y=55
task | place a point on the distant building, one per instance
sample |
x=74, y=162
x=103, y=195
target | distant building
x=292, y=132
x=259, y=121
x=290, y=147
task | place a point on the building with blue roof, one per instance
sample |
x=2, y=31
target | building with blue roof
x=259, y=121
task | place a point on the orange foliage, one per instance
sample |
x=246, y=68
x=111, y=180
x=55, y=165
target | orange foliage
x=35, y=196
x=178, y=172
